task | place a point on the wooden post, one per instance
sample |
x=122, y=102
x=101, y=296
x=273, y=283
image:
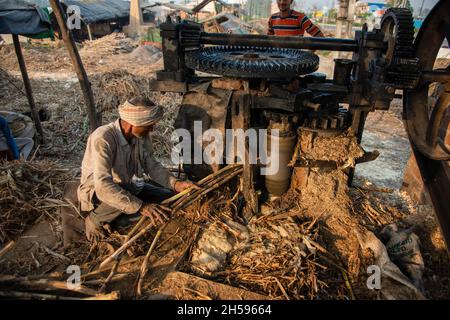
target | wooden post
x=28, y=90
x=77, y=63
x=136, y=18
x=344, y=23
x=240, y=119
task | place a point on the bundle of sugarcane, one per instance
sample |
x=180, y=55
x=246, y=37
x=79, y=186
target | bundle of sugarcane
x=174, y=204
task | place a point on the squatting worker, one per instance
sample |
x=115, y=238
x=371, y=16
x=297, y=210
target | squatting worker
x=116, y=158
x=289, y=22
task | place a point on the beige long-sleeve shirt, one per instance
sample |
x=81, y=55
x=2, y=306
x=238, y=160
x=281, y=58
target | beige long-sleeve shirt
x=110, y=160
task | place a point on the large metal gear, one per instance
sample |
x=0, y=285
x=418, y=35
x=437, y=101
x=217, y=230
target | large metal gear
x=398, y=29
x=248, y=62
x=428, y=131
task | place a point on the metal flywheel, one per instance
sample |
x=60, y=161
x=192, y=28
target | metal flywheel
x=249, y=62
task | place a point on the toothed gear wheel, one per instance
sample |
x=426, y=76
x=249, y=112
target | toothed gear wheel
x=251, y=62
x=398, y=29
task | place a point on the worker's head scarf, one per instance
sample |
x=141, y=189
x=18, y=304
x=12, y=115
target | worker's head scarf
x=140, y=115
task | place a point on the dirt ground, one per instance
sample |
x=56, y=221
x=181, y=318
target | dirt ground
x=119, y=60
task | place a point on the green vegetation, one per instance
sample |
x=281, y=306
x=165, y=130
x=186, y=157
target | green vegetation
x=152, y=35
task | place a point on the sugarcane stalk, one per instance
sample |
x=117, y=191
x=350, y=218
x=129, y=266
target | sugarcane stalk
x=197, y=196
x=30, y=295
x=205, y=186
x=200, y=183
x=117, y=263
x=126, y=245
x=96, y=272
x=144, y=267
x=6, y=248
x=44, y=284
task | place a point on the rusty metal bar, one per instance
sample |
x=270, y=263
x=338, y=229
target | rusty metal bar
x=435, y=76
x=312, y=43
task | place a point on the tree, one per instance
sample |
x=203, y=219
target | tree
x=365, y=16
x=332, y=14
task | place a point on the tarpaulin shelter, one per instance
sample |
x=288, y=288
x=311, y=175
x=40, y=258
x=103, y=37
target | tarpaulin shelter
x=99, y=16
x=93, y=10
x=100, y=10
x=18, y=17
x=94, y=14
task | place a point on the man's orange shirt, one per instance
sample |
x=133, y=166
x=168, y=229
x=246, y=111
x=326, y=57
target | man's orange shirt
x=293, y=25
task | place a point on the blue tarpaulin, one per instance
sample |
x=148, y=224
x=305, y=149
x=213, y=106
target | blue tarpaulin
x=94, y=10
x=100, y=10
x=19, y=17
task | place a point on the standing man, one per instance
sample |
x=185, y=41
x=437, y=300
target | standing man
x=117, y=158
x=289, y=22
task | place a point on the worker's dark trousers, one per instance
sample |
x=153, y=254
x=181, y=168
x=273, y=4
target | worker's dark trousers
x=103, y=213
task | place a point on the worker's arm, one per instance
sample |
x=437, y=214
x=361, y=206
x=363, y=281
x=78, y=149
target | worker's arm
x=270, y=31
x=9, y=138
x=106, y=189
x=311, y=28
x=159, y=173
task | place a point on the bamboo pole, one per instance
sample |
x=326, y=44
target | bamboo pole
x=27, y=85
x=77, y=63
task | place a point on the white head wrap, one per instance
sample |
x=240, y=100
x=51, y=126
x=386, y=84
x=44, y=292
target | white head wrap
x=140, y=116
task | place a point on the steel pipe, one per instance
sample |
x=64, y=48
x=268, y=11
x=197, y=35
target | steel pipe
x=252, y=40
x=436, y=76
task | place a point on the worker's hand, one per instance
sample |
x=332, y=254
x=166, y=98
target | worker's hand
x=158, y=214
x=183, y=185
x=93, y=232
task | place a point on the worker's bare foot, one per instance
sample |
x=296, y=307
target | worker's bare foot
x=93, y=232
